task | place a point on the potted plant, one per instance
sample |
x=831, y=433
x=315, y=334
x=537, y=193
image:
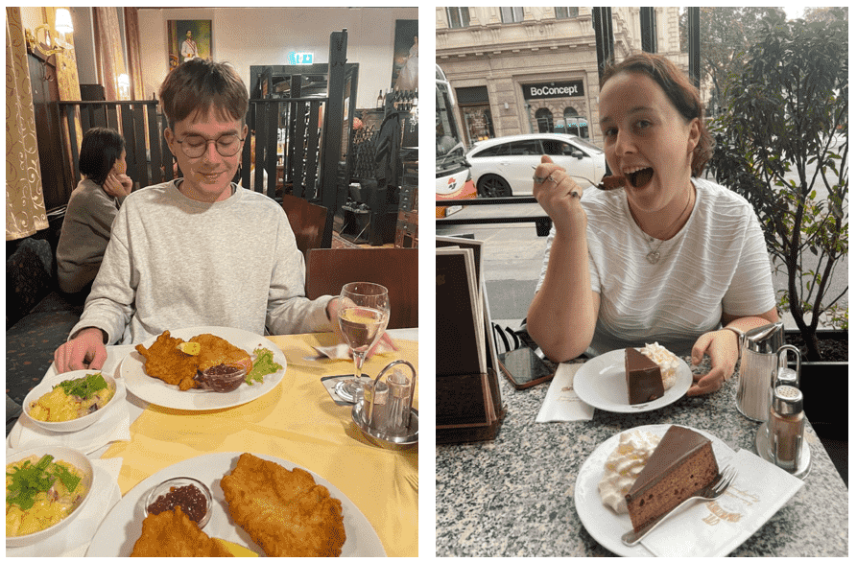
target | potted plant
x=787, y=111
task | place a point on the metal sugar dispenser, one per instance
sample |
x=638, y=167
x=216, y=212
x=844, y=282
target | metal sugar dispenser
x=756, y=375
x=385, y=415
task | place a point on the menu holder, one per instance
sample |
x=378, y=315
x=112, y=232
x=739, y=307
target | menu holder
x=469, y=405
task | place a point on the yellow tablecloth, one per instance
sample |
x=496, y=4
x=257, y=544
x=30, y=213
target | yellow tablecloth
x=300, y=423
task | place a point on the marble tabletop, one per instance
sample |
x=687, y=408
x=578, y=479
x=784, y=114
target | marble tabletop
x=514, y=496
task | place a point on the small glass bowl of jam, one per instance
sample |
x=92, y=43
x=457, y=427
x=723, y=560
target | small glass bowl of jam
x=190, y=494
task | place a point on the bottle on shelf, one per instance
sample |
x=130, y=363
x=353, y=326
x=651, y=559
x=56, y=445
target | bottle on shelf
x=380, y=103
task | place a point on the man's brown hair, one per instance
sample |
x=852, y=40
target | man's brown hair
x=678, y=89
x=199, y=85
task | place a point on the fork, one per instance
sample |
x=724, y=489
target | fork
x=600, y=185
x=710, y=492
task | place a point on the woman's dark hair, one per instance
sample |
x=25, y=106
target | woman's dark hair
x=678, y=89
x=198, y=85
x=100, y=149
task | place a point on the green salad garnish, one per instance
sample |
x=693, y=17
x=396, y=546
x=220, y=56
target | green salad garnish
x=30, y=479
x=263, y=365
x=84, y=387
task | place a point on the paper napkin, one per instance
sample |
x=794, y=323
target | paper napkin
x=74, y=540
x=717, y=527
x=561, y=402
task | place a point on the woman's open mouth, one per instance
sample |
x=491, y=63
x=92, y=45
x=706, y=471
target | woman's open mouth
x=641, y=177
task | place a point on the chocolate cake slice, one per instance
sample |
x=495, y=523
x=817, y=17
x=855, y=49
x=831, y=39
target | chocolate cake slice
x=682, y=463
x=643, y=377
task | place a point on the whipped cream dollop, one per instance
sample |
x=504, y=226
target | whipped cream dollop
x=665, y=359
x=624, y=465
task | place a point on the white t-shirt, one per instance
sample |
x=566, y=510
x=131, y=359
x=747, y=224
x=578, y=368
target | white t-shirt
x=717, y=263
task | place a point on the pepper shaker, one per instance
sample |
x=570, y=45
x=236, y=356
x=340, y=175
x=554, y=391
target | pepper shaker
x=786, y=426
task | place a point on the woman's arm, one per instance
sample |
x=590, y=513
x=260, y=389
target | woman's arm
x=561, y=318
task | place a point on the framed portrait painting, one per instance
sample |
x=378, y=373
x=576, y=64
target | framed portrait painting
x=188, y=39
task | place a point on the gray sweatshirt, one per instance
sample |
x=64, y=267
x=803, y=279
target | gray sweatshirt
x=173, y=262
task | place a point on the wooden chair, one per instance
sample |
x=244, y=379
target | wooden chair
x=328, y=269
x=310, y=223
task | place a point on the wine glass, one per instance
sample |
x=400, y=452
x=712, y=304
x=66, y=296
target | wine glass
x=364, y=310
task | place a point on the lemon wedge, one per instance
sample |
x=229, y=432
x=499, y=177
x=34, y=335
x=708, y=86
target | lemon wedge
x=236, y=549
x=189, y=347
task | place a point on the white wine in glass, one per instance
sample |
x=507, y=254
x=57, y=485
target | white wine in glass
x=364, y=311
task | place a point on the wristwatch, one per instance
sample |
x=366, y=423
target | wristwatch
x=740, y=335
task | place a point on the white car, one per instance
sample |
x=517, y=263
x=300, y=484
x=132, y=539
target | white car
x=504, y=166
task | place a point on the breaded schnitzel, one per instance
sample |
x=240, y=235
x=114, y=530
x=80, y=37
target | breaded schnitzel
x=284, y=511
x=166, y=362
x=172, y=533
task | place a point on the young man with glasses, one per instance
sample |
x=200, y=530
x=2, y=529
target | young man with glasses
x=197, y=250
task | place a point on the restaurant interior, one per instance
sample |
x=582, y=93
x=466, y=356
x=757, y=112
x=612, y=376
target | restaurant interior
x=333, y=121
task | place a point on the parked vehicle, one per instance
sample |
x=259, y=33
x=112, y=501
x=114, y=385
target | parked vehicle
x=452, y=173
x=503, y=166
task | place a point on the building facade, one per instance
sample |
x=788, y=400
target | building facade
x=530, y=69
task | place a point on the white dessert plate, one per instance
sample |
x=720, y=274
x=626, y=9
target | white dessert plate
x=124, y=524
x=156, y=391
x=600, y=382
x=605, y=525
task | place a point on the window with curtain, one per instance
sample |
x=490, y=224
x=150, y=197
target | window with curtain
x=458, y=17
x=565, y=13
x=511, y=15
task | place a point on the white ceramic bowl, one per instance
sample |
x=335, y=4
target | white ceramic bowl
x=47, y=385
x=71, y=456
x=164, y=488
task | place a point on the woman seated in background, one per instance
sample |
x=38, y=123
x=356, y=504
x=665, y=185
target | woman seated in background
x=670, y=258
x=91, y=209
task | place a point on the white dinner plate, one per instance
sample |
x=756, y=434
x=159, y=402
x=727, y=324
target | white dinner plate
x=605, y=525
x=600, y=382
x=156, y=391
x=124, y=524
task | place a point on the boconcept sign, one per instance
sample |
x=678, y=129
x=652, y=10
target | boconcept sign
x=553, y=90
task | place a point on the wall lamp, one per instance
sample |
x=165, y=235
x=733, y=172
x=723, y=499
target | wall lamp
x=53, y=43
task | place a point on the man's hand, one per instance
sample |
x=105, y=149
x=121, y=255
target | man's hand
x=723, y=349
x=85, y=351
x=333, y=308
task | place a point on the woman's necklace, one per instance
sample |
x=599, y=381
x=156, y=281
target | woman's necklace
x=654, y=255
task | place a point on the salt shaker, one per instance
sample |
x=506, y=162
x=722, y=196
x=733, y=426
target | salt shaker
x=785, y=426
x=375, y=398
x=398, y=413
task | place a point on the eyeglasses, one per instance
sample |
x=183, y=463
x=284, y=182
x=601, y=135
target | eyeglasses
x=195, y=146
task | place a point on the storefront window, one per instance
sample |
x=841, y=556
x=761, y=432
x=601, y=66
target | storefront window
x=544, y=120
x=477, y=123
x=458, y=17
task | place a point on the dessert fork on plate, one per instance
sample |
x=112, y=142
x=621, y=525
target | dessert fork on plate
x=710, y=492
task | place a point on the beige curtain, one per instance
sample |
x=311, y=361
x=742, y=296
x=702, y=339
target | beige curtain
x=132, y=41
x=108, y=50
x=25, y=205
